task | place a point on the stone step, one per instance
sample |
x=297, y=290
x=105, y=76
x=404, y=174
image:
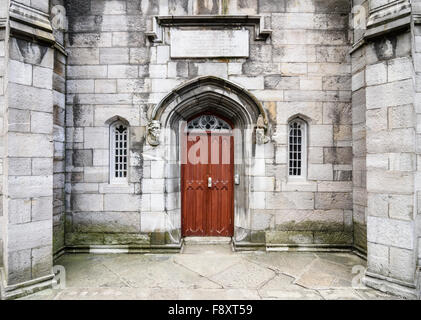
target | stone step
x=207, y=240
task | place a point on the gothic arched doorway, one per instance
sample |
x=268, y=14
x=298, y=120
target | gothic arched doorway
x=183, y=105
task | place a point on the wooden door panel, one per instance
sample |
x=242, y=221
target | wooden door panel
x=194, y=188
x=208, y=211
x=219, y=214
x=221, y=193
x=195, y=196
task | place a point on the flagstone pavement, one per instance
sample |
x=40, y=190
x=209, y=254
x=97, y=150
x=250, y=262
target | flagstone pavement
x=212, y=272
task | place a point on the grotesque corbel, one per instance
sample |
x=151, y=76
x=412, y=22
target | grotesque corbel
x=154, y=132
x=261, y=127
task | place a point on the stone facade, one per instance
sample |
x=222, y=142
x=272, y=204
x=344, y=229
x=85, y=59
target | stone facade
x=70, y=69
x=295, y=71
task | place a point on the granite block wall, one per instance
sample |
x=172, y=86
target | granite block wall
x=302, y=69
x=3, y=89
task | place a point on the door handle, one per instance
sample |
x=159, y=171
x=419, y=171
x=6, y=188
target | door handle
x=209, y=182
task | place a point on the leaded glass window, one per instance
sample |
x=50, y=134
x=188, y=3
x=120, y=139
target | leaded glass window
x=297, y=148
x=119, y=152
x=208, y=122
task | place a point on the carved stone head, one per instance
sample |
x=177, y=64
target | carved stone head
x=260, y=122
x=154, y=132
x=261, y=137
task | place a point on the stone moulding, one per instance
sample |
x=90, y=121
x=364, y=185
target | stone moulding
x=100, y=249
x=205, y=81
x=30, y=22
x=417, y=18
x=8, y=292
x=391, y=285
x=155, y=34
x=3, y=22
x=213, y=88
x=388, y=18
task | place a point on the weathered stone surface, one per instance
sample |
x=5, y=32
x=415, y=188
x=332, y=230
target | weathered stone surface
x=126, y=239
x=376, y=74
x=42, y=261
x=19, y=211
x=389, y=94
x=41, y=208
x=30, y=186
x=41, y=122
x=106, y=222
x=335, y=237
x=337, y=155
x=24, y=236
x=390, y=232
x=334, y=200
x=289, y=200
x=402, y=264
x=398, y=140
x=309, y=220
x=87, y=202
x=121, y=202
x=20, y=266
x=289, y=237
x=320, y=172
x=382, y=181
x=226, y=43
x=25, y=97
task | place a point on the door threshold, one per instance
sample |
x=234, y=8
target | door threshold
x=207, y=240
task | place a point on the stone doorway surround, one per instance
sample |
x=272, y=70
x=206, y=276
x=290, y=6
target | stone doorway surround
x=223, y=97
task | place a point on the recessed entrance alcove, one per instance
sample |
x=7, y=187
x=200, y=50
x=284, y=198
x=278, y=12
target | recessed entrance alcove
x=221, y=98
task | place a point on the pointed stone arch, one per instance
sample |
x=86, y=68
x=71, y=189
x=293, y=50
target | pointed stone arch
x=116, y=118
x=221, y=95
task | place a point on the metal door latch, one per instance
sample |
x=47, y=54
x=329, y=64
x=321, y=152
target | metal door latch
x=209, y=182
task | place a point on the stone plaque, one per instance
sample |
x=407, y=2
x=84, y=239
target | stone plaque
x=209, y=43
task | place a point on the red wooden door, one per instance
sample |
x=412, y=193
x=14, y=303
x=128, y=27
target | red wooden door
x=207, y=174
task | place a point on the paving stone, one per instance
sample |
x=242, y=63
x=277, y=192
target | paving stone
x=340, y=294
x=168, y=277
x=281, y=281
x=207, y=266
x=291, y=263
x=325, y=275
x=238, y=276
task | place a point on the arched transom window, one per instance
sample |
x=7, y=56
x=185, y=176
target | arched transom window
x=209, y=123
x=297, y=157
x=119, y=153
